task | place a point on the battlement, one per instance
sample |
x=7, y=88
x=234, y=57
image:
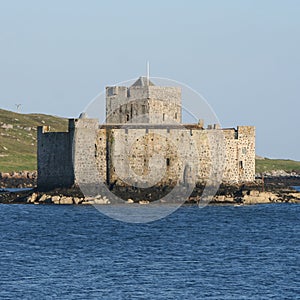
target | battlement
x=143, y=102
x=147, y=120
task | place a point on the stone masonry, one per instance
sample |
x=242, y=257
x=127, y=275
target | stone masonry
x=143, y=143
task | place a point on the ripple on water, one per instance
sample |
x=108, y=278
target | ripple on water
x=75, y=252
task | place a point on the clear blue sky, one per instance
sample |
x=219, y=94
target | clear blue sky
x=242, y=56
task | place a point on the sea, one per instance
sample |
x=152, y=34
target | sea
x=215, y=252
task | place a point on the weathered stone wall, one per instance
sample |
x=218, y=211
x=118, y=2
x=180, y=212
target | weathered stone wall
x=231, y=159
x=131, y=111
x=211, y=147
x=161, y=155
x=165, y=104
x=101, y=143
x=143, y=156
x=85, y=152
x=54, y=152
x=155, y=104
x=162, y=152
x=246, y=153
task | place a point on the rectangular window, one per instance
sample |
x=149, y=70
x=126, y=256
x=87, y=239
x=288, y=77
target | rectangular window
x=241, y=166
x=168, y=161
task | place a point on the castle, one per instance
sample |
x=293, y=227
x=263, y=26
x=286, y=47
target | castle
x=143, y=143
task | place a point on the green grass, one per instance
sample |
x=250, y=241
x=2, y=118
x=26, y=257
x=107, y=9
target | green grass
x=267, y=165
x=18, y=145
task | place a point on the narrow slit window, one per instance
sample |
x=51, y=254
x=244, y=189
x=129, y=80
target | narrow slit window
x=168, y=162
x=96, y=150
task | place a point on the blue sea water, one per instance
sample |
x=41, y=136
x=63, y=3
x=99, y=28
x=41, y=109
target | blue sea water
x=297, y=188
x=217, y=252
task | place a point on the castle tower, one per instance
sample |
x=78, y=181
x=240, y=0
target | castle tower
x=143, y=102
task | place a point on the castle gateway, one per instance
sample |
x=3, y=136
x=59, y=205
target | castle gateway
x=144, y=143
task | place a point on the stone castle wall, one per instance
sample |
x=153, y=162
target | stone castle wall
x=161, y=155
x=84, y=151
x=246, y=152
x=143, y=143
x=55, y=166
x=113, y=154
x=155, y=104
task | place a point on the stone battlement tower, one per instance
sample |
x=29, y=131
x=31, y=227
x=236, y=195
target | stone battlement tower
x=143, y=102
x=143, y=141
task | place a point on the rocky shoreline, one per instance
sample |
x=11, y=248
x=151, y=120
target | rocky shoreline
x=272, y=189
x=23, y=179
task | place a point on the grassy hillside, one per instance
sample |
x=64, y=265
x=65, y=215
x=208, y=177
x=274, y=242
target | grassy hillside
x=266, y=165
x=18, y=144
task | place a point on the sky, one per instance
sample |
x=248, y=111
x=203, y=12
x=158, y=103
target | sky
x=242, y=56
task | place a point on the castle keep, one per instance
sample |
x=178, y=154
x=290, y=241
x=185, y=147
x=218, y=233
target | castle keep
x=143, y=143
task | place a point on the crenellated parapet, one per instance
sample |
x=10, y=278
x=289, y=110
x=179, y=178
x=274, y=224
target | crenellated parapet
x=143, y=141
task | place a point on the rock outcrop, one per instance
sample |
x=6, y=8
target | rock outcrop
x=255, y=193
x=23, y=179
